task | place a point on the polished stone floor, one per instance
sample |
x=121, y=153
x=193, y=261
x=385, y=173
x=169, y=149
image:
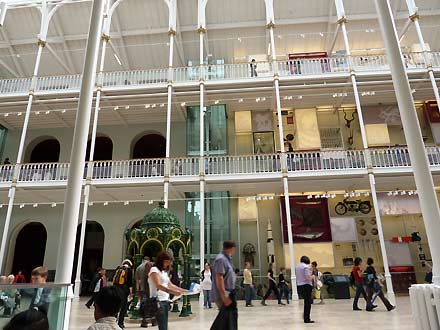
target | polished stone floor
x=333, y=315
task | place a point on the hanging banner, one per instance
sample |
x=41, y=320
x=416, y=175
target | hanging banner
x=382, y=114
x=398, y=205
x=310, y=220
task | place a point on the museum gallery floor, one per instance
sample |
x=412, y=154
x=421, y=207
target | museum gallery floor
x=333, y=315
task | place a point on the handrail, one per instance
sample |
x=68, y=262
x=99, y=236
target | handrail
x=218, y=72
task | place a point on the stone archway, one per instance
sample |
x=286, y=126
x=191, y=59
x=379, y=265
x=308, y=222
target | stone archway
x=29, y=256
x=45, y=151
x=149, y=146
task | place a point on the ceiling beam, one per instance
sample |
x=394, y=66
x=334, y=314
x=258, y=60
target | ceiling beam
x=12, y=53
x=59, y=28
x=123, y=48
x=223, y=26
x=59, y=60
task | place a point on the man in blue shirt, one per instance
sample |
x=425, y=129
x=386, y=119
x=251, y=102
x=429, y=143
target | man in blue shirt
x=223, y=289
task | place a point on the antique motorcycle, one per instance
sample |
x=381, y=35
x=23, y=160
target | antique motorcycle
x=353, y=206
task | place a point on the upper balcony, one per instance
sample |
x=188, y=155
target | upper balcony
x=260, y=167
x=298, y=69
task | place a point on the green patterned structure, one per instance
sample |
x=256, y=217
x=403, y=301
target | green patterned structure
x=161, y=230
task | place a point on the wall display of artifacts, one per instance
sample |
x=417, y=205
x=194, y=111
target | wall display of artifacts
x=368, y=238
x=344, y=229
x=310, y=220
x=288, y=121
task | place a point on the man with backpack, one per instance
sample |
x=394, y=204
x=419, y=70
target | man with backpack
x=123, y=279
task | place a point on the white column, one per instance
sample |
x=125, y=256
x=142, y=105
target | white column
x=77, y=289
x=16, y=173
x=283, y=165
x=202, y=151
x=168, y=132
x=390, y=289
x=427, y=57
x=422, y=175
x=73, y=193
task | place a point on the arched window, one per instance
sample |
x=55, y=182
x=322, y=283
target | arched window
x=29, y=256
x=103, y=149
x=92, y=254
x=149, y=146
x=46, y=151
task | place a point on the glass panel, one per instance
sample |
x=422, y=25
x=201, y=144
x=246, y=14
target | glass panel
x=215, y=130
x=48, y=298
x=264, y=143
x=3, y=131
x=217, y=223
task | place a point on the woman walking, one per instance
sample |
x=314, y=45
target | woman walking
x=317, y=283
x=161, y=287
x=375, y=285
x=272, y=288
x=358, y=275
x=206, y=286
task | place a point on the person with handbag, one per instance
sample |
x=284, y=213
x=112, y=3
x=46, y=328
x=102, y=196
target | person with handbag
x=160, y=288
x=375, y=285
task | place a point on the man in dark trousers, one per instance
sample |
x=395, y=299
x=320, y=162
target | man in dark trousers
x=123, y=279
x=223, y=289
x=304, y=281
x=98, y=283
x=142, y=289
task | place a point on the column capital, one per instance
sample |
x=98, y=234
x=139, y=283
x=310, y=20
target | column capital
x=352, y=72
x=429, y=68
x=31, y=92
x=98, y=87
x=343, y=19
x=170, y=83
x=270, y=25
x=276, y=77
x=105, y=37
x=414, y=17
x=202, y=177
x=41, y=43
x=172, y=32
x=201, y=30
x=202, y=81
x=166, y=178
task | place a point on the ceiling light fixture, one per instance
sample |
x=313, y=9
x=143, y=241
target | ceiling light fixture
x=147, y=106
x=116, y=108
x=183, y=104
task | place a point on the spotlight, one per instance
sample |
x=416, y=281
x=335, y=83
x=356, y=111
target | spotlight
x=352, y=194
x=53, y=204
x=64, y=110
x=162, y=105
x=390, y=193
x=37, y=112
x=147, y=106
x=150, y=202
x=126, y=203
x=240, y=100
x=47, y=112
x=127, y=107
x=19, y=114
x=6, y=114
x=358, y=194
x=309, y=196
x=105, y=203
x=216, y=102
x=346, y=195
x=271, y=197
x=333, y=195
x=21, y=206
x=153, y=105
x=403, y=192
x=183, y=104
x=35, y=205
x=395, y=193
x=116, y=108
x=90, y=203
x=367, y=194
x=317, y=196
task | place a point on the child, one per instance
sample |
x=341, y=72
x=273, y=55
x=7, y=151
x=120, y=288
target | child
x=41, y=299
x=107, y=306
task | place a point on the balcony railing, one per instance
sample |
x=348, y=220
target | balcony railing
x=261, y=164
x=219, y=72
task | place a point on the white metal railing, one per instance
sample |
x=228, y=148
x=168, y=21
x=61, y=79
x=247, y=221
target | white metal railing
x=127, y=169
x=425, y=305
x=58, y=83
x=310, y=161
x=218, y=72
x=250, y=164
x=325, y=160
x=43, y=172
x=135, y=78
x=21, y=85
x=184, y=166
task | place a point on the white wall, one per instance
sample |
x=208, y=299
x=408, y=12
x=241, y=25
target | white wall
x=122, y=136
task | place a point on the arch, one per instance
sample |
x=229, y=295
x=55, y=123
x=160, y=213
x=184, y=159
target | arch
x=151, y=248
x=177, y=242
x=103, y=148
x=93, y=252
x=148, y=145
x=26, y=258
x=44, y=149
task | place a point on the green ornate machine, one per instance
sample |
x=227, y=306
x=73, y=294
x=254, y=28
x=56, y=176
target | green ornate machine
x=161, y=231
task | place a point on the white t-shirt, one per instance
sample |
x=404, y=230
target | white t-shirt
x=207, y=282
x=164, y=280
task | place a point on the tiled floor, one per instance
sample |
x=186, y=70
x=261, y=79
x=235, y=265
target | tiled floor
x=333, y=315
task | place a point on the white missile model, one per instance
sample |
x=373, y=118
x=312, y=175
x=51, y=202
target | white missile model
x=270, y=246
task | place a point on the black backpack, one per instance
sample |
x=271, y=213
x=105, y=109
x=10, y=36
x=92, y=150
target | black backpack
x=352, y=281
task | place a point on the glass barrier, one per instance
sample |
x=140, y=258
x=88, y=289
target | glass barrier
x=48, y=298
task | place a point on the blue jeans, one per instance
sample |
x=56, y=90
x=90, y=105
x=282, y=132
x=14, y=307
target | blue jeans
x=361, y=291
x=207, y=298
x=284, y=290
x=248, y=294
x=162, y=315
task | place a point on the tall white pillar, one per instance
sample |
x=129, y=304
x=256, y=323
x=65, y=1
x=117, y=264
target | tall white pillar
x=73, y=193
x=270, y=26
x=419, y=160
x=342, y=21
x=16, y=173
x=202, y=150
x=171, y=33
x=77, y=288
